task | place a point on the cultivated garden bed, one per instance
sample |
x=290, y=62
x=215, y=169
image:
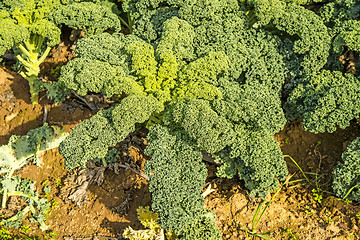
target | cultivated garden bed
x=228, y=119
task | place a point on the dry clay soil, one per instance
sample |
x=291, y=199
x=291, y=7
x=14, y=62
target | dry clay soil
x=108, y=208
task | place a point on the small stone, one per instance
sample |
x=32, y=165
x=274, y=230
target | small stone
x=10, y=117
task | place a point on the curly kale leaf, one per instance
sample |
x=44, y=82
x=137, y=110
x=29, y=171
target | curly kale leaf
x=57, y=91
x=255, y=106
x=176, y=178
x=348, y=35
x=203, y=228
x=337, y=11
x=137, y=64
x=345, y=36
x=257, y=158
x=210, y=131
x=149, y=16
x=85, y=75
x=132, y=68
x=263, y=12
x=160, y=77
x=92, y=138
x=133, y=109
x=325, y=101
x=177, y=39
x=347, y=173
x=253, y=53
x=106, y=47
x=314, y=40
x=89, y=140
x=88, y=16
x=10, y=32
x=198, y=79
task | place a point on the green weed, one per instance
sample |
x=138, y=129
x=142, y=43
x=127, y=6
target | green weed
x=58, y=182
x=317, y=194
x=311, y=212
x=259, y=213
x=54, y=203
x=25, y=228
x=290, y=235
x=55, y=71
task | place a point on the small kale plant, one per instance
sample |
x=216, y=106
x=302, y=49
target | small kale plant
x=15, y=155
x=148, y=219
x=31, y=28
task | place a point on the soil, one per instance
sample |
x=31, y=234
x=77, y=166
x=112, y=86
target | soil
x=301, y=210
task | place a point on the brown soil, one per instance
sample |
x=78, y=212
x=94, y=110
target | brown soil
x=295, y=213
x=109, y=208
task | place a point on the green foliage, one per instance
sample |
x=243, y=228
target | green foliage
x=85, y=75
x=264, y=12
x=203, y=228
x=142, y=78
x=176, y=178
x=345, y=36
x=197, y=94
x=210, y=131
x=255, y=106
x=149, y=16
x=198, y=79
x=25, y=27
x=10, y=32
x=208, y=76
x=304, y=2
x=309, y=34
x=317, y=194
x=253, y=54
x=348, y=34
x=257, y=158
x=57, y=91
x=346, y=175
x=106, y=47
x=31, y=15
x=14, y=156
x=88, y=16
x=337, y=11
x=92, y=137
x=177, y=39
x=132, y=70
x=175, y=185
x=148, y=219
x=229, y=26
x=110, y=157
x=325, y=101
x=38, y=207
x=5, y=234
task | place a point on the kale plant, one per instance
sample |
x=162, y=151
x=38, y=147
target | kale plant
x=24, y=26
x=14, y=156
x=346, y=182
x=208, y=77
x=31, y=29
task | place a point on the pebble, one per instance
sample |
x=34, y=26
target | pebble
x=10, y=117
